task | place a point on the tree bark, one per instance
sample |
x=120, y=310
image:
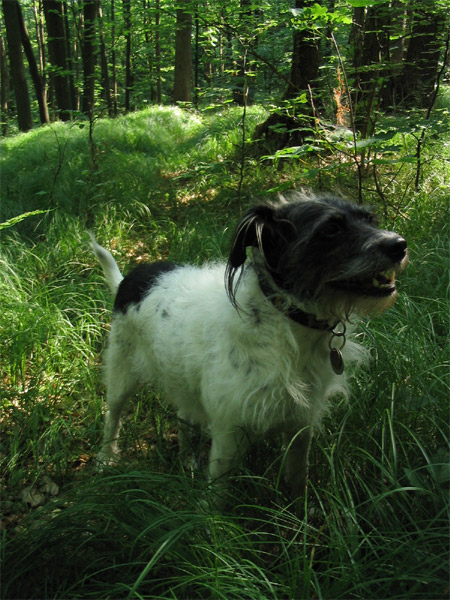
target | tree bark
x=305, y=58
x=240, y=90
x=113, y=60
x=89, y=54
x=104, y=64
x=54, y=19
x=183, y=55
x=38, y=19
x=289, y=128
x=422, y=57
x=34, y=71
x=4, y=88
x=370, y=59
x=158, y=51
x=18, y=74
x=128, y=74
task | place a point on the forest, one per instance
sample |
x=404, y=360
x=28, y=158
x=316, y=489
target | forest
x=156, y=124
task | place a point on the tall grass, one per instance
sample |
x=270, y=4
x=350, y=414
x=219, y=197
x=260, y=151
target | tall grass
x=163, y=184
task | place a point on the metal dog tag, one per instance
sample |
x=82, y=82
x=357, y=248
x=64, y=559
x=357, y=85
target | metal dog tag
x=336, y=360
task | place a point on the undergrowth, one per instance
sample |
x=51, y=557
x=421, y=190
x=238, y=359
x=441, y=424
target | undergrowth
x=162, y=183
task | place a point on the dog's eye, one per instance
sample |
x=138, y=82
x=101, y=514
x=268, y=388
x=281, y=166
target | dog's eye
x=332, y=229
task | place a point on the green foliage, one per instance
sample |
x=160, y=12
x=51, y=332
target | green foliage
x=162, y=183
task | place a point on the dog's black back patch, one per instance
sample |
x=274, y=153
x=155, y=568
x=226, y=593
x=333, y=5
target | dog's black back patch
x=136, y=285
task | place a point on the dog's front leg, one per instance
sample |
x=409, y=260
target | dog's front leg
x=227, y=449
x=296, y=460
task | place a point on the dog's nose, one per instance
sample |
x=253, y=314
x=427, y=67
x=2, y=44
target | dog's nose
x=395, y=248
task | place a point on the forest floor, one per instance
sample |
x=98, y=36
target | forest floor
x=166, y=183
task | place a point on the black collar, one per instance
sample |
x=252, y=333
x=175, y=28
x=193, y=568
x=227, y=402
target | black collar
x=294, y=313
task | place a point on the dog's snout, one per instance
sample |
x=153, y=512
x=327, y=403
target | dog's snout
x=394, y=247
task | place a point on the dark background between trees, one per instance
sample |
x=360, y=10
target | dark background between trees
x=338, y=61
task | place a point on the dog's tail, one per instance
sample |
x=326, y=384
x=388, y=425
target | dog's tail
x=112, y=272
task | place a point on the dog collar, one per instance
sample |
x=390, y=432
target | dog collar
x=311, y=321
x=296, y=314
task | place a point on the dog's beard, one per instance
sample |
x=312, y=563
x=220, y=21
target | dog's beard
x=343, y=306
x=340, y=297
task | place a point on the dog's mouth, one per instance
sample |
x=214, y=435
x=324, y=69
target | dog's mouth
x=382, y=284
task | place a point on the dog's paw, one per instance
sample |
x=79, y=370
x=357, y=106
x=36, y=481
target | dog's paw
x=106, y=458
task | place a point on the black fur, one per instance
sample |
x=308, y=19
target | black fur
x=136, y=285
x=306, y=245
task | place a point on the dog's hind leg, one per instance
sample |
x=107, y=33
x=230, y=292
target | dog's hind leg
x=109, y=450
x=296, y=460
x=120, y=385
x=189, y=433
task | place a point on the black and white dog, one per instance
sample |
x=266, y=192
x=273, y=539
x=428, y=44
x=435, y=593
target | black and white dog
x=259, y=343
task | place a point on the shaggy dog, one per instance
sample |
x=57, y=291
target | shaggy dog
x=257, y=344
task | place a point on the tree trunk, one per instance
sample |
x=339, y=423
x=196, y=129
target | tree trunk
x=89, y=54
x=34, y=71
x=148, y=35
x=128, y=75
x=113, y=60
x=54, y=19
x=37, y=9
x=305, y=58
x=196, y=57
x=158, y=52
x=4, y=87
x=71, y=52
x=422, y=58
x=240, y=89
x=182, y=91
x=106, y=86
x=289, y=127
x=18, y=74
x=370, y=58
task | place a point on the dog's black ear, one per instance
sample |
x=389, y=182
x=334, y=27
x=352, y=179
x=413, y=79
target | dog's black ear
x=256, y=224
x=256, y=229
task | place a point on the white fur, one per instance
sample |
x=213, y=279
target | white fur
x=236, y=374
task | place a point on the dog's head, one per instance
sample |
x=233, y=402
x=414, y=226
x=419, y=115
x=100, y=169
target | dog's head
x=321, y=252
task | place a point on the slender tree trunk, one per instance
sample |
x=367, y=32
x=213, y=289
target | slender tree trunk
x=54, y=19
x=182, y=91
x=37, y=9
x=158, y=51
x=71, y=52
x=148, y=45
x=128, y=75
x=4, y=87
x=196, y=57
x=18, y=74
x=104, y=64
x=34, y=71
x=113, y=59
x=89, y=53
x=240, y=91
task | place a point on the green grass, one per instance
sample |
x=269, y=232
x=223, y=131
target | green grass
x=164, y=185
